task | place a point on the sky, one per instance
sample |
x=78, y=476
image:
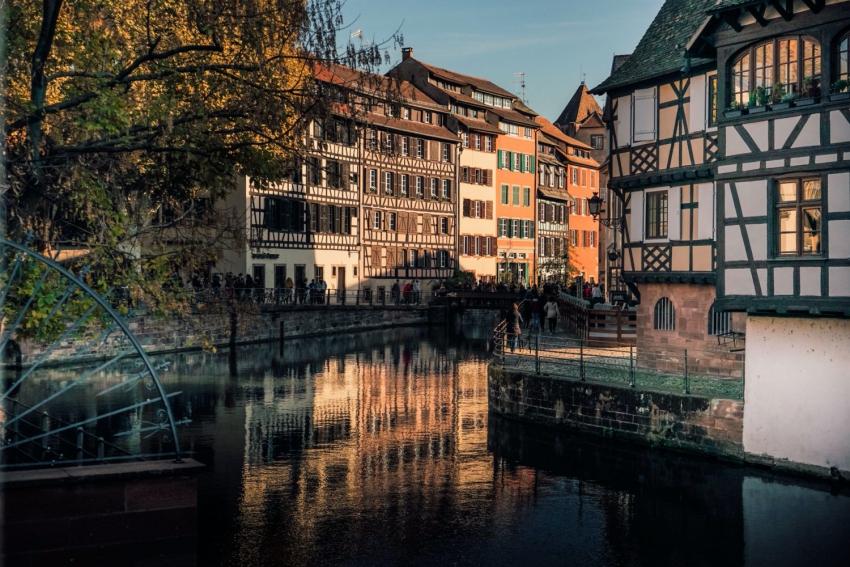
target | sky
x=553, y=42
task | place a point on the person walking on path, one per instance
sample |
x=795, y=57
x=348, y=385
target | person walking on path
x=417, y=292
x=514, y=327
x=536, y=309
x=596, y=295
x=552, y=313
x=407, y=292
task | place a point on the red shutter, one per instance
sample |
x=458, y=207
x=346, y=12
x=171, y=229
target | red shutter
x=489, y=211
x=467, y=205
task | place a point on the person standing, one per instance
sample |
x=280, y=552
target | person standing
x=395, y=292
x=417, y=292
x=407, y=292
x=536, y=308
x=287, y=292
x=514, y=327
x=552, y=312
x=596, y=296
x=323, y=291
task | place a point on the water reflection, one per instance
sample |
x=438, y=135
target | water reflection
x=377, y=449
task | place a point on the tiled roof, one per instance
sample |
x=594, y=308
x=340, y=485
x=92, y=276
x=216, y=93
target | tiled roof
x=361, y=81
x=478, y=125
x=522, y=107
x=513, y=116
x=553, y=193
x=657, y=55
x=553, y=132
x=477, y=82
x=618, y=61
x=727, y=4
x=409, y=126
x=581, y=105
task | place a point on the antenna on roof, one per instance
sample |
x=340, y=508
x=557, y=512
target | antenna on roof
x=520, y=83
x=359, y=35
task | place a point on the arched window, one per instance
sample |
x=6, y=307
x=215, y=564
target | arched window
x=787, y=66
x=843, y=58
x=719, y=322
x=665, y=315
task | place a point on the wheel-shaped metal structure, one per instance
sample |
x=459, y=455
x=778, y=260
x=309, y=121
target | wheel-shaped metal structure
x=77, y=386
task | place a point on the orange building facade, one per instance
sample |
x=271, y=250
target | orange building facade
x=582, y=183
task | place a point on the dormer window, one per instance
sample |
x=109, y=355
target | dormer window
x=783, y=67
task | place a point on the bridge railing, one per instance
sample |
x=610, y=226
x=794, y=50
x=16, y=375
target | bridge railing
x=601, y=327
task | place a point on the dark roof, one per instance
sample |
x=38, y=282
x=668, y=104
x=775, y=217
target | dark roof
x=581, y=105
x=475, y=124
x=513, y=116
x=370, y=83
x=722, y=5
x=618, y=61
x=409, y=126
x=476, y=82
x=553, y=193
x=657, y=55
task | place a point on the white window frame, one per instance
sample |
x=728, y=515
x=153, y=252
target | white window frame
x=447, y=189
x=488, y=143
x=405, y=146
x=420, y=186
x=373, y=179
x=444, y=225
x=376, y=224
x=405, y=185
x=391, y=221
x=420, y=148
x=435, y=191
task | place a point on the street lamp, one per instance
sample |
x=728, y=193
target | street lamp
x=594, y=205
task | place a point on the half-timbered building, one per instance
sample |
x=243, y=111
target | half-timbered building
x=663, y=151
x=783, y=216
x=553, y=204
x=409, y=191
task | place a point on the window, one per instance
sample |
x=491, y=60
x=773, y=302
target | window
x=377, y=220
x=665, y=315
x=575, y=176
x=573, y=237
x=414, y=258
x=597, y=141
x=515, y=200
x=526, y=132
x=391, y=221
x=405, y=146
x=405, y=185
x=389, y=142
x=843, y=58
x=527, y=162
x=406, y=116
x=514, y=229
x=792, y=64
x=420, y=148
x=542, y=175
x=591, y=239
x=373, y=180
x=504, y=194
x=526, y=196
x=503, y=227
x=388, y=183
x=506, y=160
x=465, y=246
x=465, y=137
x=427, y=117
x=798, y=214
x=551, y=179
x=447, y=153
x=712, y=101
x=434, y=188
x=478, y=206
x=478, y=141
x=488, y=140
x=420, y=187
x=447, y=189
x=561, y=176
x=719, y=322
x=444, y=225
x=373, y=139
x=656, y=214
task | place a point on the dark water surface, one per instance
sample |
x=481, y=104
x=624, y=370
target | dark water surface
x=377, y=449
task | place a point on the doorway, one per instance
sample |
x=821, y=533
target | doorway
x=340, y=284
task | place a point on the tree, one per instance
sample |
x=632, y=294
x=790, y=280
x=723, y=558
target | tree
x=119, y=111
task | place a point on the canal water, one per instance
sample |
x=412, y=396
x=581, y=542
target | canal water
x=377, y=449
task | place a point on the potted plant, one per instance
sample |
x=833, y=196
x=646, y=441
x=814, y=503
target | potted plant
x=735, y=110
x=787, y=101
x=810, y=94
x=758, y=100
x=839, y=90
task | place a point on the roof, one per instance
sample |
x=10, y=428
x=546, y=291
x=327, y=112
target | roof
x=475, y=124
x=657, y=55
x=513, y=116
x=618, y=61
x=522, y=107
x=362, y=81
x=581, y=105
x=430, y=130
x=554, y=132
x=476, y=82
x=722, y=5
x=554, y=193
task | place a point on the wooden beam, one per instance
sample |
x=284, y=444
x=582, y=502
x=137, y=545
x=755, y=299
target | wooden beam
x=758, y=14
x=731, y=18
x=786, y=11
x=815, y=5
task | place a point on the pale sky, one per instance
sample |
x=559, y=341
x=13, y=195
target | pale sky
x=552, y=42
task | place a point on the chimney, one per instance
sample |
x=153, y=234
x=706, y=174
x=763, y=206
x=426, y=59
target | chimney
x=406, y=52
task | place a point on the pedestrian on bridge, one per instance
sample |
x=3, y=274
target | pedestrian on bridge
x=514, y=326
x=552, y=312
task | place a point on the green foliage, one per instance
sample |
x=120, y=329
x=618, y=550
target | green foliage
x=777, y=91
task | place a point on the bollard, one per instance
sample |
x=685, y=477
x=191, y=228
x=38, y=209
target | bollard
x=687, y=380
x=581, y=360
x=631, y=367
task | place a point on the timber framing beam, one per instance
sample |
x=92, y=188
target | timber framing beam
x=731, y=18
x=758, y=13
x=815, y=5
x=784, y=8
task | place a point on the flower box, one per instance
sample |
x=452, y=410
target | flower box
x=808, y=101
x=758, y=109
x=781, y=105
x=735, y=112
x=839, y=96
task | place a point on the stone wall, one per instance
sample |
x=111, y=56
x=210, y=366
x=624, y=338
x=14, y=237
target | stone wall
x=664, y=350
x=683, y=422
x=214, y=329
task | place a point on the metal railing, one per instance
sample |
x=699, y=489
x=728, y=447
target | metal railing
x=294, y=297
x=713, y=373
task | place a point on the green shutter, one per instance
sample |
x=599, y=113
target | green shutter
x=522, y=229
x=532, y=164
x=531, y=229
x=499, y=165
x=522, y=163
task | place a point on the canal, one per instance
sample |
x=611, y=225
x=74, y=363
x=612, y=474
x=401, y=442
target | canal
x=377, y=449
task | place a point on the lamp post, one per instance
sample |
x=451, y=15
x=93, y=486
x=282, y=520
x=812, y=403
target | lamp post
x=594, y=205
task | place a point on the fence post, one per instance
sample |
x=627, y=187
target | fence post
x=687, y=380
x=631, y=366
x=581, y=359
x=537, y=351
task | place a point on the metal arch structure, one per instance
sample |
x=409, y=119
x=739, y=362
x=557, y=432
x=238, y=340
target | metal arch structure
x=52, y=436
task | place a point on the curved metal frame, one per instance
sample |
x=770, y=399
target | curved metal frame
x=120, y=322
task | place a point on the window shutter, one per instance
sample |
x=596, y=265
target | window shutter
x=426, y=224
x=499, y=163
x=674, y=213
x=521, y=162
x=636, y=221
x=541, y=211
x=644, y=115
x=451, y=225
x=531, y=229
x=705, y=211
x=466, y=207
x=624, y=121
x=697, y=106
x=489, y=210
x=391, y=257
